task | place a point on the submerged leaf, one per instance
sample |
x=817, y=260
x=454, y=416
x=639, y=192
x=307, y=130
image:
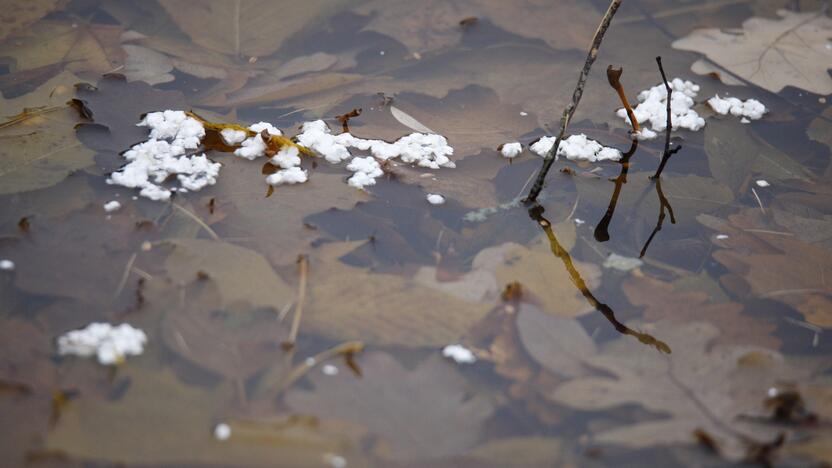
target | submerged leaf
x=39, y=147
x=423, y=413
x=242, y=275
x=772, y=53
x=251, y=28
x=704, y=387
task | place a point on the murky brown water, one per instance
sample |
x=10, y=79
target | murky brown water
x=702, y=340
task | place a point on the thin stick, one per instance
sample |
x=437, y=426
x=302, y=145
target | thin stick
x=576, y=98
x=197, y=220
x=303, y=269
x=667, y=152
x=343, y=349
x=125, y=275
x=759, y=202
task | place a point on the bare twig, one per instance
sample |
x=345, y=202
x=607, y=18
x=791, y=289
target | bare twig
x=667, y=151
x=197, y=220
x=303, y=270
x=591, y=55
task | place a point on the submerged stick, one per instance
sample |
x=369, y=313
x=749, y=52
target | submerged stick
x=303, y=270
x=576, y=98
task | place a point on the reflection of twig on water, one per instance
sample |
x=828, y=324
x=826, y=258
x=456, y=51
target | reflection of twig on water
x=536, y=213
x=602, y=233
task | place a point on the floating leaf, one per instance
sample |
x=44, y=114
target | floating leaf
x=422, y=413
x=772, y=53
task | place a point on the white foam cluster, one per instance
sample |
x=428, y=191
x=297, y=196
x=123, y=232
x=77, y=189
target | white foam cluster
x=151, y=162
x=751, y=108
x=511, y=150
x=110, y=344
x=255, y=147
x=293, y=175
x=422, y=149
x=459, y=354
x=652, y=107
x=233, y=137
x=366, y=171
x=577, y=148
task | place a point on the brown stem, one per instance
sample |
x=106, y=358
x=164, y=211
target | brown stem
x=576, y=98
x=614, y=78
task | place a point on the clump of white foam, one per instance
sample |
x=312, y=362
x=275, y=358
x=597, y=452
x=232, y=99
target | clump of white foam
x=255, y=147
x=511, y=150
x=622, y=263
x=288, y=157
x=435, y=199
x=293, y=175
x=222, y=432
x=233, y=137
x=6, y=265
x=460, y=354
x=150, y=163
x=577, y=147
x=366, y=171
x=110, y=344
x=750, y=108
x=422, y=149
x=652, y=107
x=111, y=206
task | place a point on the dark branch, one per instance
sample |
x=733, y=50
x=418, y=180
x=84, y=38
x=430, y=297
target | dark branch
x=576, y=98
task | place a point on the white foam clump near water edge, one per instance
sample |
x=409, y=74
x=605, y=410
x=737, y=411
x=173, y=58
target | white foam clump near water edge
x=110, y=344
x=652, y=107
x=150, y=163
x=577, y=148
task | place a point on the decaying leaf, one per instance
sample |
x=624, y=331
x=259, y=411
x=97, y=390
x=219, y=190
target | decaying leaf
x=668, y=301
x=705, y=386
x=435, y=26
x=423, y=413
x=242, y=275
x=15, y=16
x=560, y=345
x=39, y=147
x=234, y=342
x=736, y=154
x=252, y=28
x=772, y=53
x=143, y=64
x=80, y=46
x=382, y=309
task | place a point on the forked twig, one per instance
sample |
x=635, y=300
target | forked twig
x=591, y=55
